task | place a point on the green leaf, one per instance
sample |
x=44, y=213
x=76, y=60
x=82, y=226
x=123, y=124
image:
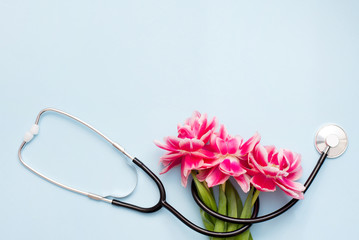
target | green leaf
x=230, y=191
x=220, y=226
x=208, y=224
x=250, y=236
x=235, y=207
x=247, y=209
x=246, y=213
x=231, y=195
x=206, y=196
x=239, y=204
x=255, y=196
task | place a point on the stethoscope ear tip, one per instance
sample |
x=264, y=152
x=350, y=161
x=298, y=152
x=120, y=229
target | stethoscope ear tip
x=333, y=137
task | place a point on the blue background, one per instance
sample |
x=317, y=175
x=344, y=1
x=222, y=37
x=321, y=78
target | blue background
x=134, y=69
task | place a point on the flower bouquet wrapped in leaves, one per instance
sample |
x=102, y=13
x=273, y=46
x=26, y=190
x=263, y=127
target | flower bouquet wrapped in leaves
x=213, y=157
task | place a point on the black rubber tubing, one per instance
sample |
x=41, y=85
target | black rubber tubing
x=247, y=222
x=162, y=203
x=265, y=217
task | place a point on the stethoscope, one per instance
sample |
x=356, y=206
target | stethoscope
x=331, y=141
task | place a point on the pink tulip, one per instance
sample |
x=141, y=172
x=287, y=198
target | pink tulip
x=188, y=149
x=271, y=168
x=197, y=127
x=229, y=153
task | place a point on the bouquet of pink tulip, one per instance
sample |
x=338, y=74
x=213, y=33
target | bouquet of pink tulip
x=213, y=157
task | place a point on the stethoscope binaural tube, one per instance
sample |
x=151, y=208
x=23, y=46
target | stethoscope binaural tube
x=35, y=130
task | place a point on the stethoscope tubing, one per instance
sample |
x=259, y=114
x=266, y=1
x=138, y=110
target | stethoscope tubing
x=247, y=222
x=163, y=203
x=263, y=218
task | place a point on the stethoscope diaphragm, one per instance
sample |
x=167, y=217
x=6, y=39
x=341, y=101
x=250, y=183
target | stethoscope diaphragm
x=331, y=136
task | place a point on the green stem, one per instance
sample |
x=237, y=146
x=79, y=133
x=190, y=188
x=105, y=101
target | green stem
x=255, y=196
x=246, y=213
x=207, y=197
x=221, y=226
x=234, y=207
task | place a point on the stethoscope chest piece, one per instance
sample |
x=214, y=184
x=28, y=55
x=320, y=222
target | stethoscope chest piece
x=334, y=137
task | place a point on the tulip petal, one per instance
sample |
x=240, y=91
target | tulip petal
x=271, y=171
x=213, y=124
x=274, y=159
x=203, y=128
x=231, y=166
x=171, y=165
x=163, y=146
x=185, y=144
x=205, y=137
x=293, y=176
x=213, y=144
x=295, y=163
x=196, y=144
x=293, y=194
x=233, y=145
x=195, y=126
x=262, y=183
x=184, y=175
x=271, y=150
x=244, y=182
x=249, y=145
x=222, y=132
x=173, y=142
x=190, y=144
x=295, y=186
x=211, y=162
x=169, y=157
x=222, y=146
x=202, y=153
x=191, y=163
x=261, y=155
x=254, y=163
x=216, y=177
x=185, y=132
x=188, y=164
x=283, y=160
x=203, y=174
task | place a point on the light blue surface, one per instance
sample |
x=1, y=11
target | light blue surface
x=134, y=69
